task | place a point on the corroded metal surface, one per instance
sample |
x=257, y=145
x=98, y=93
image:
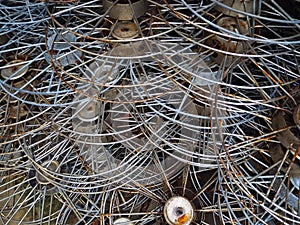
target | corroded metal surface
x=110, y=110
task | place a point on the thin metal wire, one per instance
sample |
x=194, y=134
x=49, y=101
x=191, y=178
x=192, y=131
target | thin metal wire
x=104, y=120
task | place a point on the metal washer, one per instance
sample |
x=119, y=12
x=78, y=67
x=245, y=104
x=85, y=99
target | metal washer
x=122, y=221
x=125, y=30
x=15, y=67
x=178, y=210
x=125, y=11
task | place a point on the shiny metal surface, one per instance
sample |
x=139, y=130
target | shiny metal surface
x=110, y=110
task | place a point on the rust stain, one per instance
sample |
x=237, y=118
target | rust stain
x=296, y=115
x=183, y=219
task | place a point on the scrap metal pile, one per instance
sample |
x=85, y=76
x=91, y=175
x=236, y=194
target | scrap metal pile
x=149, y=112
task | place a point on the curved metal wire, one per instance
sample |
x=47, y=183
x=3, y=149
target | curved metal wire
x=257, y=171
x=112, y=112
